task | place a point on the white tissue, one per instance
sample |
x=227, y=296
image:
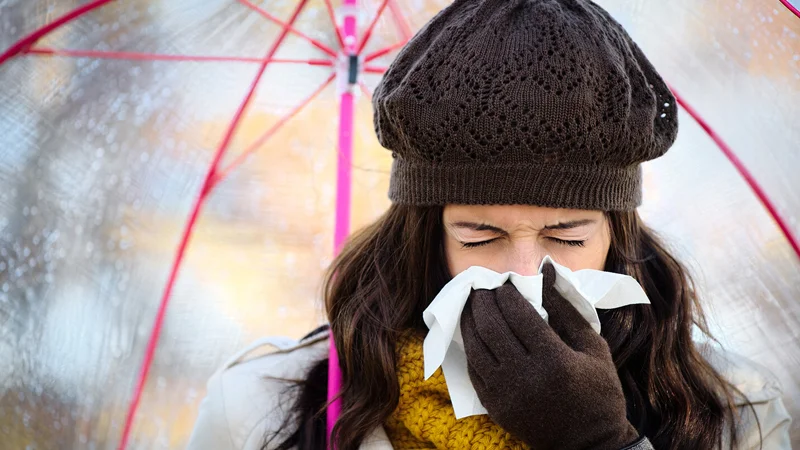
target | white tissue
x=587, y=290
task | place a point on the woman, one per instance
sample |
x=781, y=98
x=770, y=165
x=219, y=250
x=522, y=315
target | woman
x=517, y=129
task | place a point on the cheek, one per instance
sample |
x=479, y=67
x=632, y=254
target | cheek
x=457, y=259
x=592, y=256
x=589, y=257
x=460, y=259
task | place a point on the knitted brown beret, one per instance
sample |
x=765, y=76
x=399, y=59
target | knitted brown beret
x=542, y=102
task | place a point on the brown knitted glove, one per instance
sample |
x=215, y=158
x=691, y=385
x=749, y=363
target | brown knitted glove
x=554, y=387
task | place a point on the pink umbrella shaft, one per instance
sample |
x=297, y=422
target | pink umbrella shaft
x=343, y=185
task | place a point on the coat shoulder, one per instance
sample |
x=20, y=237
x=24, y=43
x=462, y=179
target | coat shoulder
x=249, y=397
x=755, y=381
x=763, y=422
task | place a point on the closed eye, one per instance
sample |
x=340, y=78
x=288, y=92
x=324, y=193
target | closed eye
x=568, y=243
x=477, y=244
x=556, y=240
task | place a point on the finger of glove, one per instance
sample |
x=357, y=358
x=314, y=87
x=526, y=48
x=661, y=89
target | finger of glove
x=492, y=327
x=479, y=356
x=479, y=379
x=525, y=322
x=567, y=322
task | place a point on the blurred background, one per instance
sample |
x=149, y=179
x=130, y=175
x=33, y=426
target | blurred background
x=102, y=159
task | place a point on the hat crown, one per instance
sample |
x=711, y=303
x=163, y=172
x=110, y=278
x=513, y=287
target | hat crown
x=524, y=82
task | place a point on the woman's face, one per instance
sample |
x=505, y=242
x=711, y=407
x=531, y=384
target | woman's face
x=515, y=238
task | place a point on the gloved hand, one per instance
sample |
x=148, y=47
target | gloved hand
x=553, y=387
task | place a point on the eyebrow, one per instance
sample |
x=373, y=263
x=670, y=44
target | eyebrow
x=559, y=226
x=480, y=227
x=570, y=224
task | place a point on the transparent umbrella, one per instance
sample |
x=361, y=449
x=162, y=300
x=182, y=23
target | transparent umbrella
x=175, y=177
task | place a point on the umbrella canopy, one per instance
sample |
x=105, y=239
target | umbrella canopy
x=112, y=113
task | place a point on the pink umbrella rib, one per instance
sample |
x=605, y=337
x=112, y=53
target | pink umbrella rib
x=374, y=69
x=137, y=56
x=32, y=38
x=791, y=8
x=386, y=50
x=332, y=15
x=271, y=132
x=365, y=90
x=204, y=193
x=268, y=16
x=400, y=20
x=368, y=33
x=740, y=167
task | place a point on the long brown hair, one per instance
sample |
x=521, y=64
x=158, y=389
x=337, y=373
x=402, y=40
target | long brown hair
x=390, y=271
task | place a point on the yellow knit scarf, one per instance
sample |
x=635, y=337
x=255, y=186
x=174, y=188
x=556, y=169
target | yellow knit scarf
x=424, y=418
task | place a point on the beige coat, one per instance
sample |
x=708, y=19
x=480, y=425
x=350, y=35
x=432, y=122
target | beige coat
x=242, y=404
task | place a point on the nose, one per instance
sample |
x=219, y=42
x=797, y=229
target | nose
x=525, y=260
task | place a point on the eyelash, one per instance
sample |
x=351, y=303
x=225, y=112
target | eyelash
x=556, y=240
x=568, y=243
x=476, y=244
